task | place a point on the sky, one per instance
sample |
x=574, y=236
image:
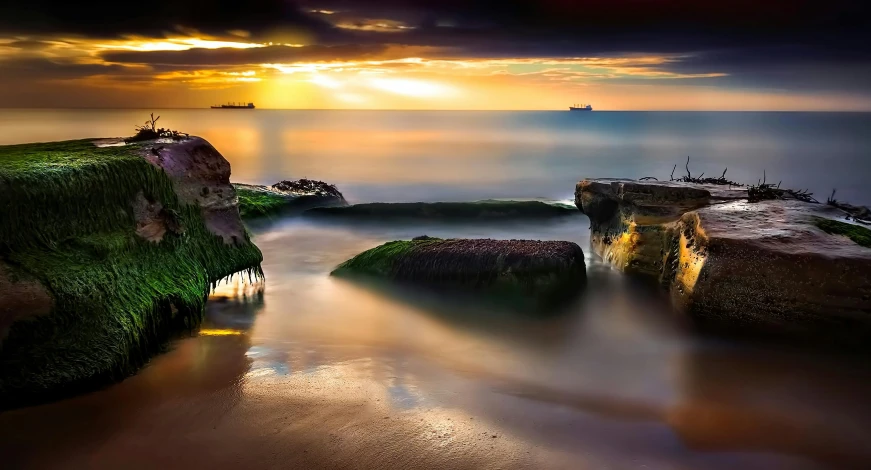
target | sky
x=439, y=54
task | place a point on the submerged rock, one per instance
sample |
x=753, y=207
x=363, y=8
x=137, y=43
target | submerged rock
x=489, y=210
x=763, y=267
x=90, y=290
x=260, y=201
x=546, y=272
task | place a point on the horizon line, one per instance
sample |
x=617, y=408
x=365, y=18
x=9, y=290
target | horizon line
x=448, y=110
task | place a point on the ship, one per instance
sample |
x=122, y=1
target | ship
x=234, y=106
x=581, y=107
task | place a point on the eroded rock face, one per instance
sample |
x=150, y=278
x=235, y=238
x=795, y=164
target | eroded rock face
x=153, y=220
x=201, y=176
x=729, y=263
x=21, y=297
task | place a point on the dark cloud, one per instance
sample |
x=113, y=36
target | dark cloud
x=802, y=43
x=152, y=17
x=38, y=68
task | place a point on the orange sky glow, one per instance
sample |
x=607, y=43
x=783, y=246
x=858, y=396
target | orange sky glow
x=398, y=78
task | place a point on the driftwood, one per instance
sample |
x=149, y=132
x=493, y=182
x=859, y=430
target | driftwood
x=689, y=178
x=150, y=131
x=763, y=191
x=860, y=214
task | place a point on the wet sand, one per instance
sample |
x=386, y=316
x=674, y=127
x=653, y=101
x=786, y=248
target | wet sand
x=318, y=372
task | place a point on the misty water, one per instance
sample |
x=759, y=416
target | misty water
x=309, y=371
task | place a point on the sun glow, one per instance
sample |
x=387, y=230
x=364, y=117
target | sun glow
x=412, y=87
x=172, y=44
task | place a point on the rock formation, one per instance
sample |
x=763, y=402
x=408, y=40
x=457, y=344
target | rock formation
x=761, y=267
x=483, y=210
x=259, y=201
x=545, y=272
x=106, y=252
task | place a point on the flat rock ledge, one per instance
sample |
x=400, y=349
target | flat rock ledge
x=488, y=210
x=764, y=267
x=286, y=196
x=526, y=273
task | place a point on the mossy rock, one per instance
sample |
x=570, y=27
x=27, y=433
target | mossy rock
x=488, y=209
x=256, y=201
x=539, y=274
x=68, y=221
x=259, y=203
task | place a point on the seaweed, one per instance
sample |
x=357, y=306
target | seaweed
x=68, y=221
x=255, y=203
x=261, y=201
x=860, y=235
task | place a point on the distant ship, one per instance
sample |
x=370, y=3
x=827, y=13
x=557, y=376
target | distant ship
x=234, y=106
x=579, y=107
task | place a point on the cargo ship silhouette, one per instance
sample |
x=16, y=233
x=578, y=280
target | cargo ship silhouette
x=234, y=106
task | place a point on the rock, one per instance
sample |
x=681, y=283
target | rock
x=83, y=301
x=21, y=297
x=259, y=201
x=201, y=176
x=761, y=267
x=488, y=210
x=545, y=272
x=153, y=220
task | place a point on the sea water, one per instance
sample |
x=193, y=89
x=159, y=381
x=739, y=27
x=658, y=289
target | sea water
x=309, y=371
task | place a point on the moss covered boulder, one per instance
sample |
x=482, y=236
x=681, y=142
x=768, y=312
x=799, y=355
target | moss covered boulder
x=286, y=196
x=534, y=273
x=487, y=210
x=106, y=252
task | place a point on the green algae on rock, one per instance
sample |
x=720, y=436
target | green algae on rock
x=124, y=241
x=263, y=201
x=487, y=209
x=543, y=273
x=859, y=234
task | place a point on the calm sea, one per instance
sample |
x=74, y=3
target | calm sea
x=309, y=371
x=439, y=155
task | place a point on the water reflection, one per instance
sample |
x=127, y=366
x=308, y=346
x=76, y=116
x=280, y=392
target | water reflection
x=327, y=372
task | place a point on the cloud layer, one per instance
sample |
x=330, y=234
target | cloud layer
x=801, y=46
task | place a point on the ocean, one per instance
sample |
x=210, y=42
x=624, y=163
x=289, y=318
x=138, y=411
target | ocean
x=464, y=155
x=309, y=371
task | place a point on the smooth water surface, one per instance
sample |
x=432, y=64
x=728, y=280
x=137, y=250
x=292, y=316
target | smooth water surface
x=311, y=371
x=444, y=155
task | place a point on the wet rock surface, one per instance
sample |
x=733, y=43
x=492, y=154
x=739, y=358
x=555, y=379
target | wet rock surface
x=548, y=272
x=260, y=200
x=486, y=210
x=763, y=267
